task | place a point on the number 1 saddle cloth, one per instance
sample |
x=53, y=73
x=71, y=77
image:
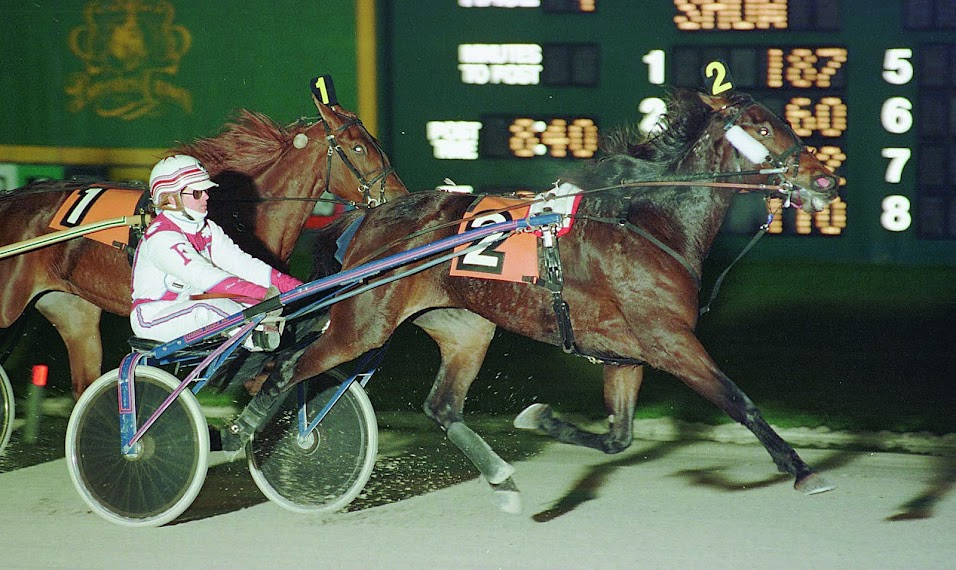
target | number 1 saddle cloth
x=97, y=202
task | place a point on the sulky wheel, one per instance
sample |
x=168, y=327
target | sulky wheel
x=157, y=483
x=328, y=468
x=6, y=410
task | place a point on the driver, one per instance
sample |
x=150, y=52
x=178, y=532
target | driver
x=187, y=273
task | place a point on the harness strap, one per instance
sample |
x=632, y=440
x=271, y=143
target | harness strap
x=646, y=235
x=680, y=258
x=562, y=311
x=555, y=284
x=720, y=280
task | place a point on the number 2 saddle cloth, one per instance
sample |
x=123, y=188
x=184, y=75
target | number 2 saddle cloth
x=516, y=257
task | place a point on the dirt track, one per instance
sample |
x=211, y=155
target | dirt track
x=658, y=505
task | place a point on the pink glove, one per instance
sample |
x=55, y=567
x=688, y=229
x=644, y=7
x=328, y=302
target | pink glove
x=244, y=291
x=284, y=282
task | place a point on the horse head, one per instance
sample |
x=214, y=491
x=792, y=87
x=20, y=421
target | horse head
x=286, y=170
x=359, y=156
x=772, y=147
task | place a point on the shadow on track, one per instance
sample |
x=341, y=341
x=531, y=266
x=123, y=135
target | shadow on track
x=922, y=506
x=587, y=487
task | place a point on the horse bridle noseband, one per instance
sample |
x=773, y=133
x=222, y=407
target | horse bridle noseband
x=365, y=185
x=781, y=163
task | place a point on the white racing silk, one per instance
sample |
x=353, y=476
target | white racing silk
x=178, y=258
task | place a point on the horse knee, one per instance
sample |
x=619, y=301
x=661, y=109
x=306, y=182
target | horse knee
x=441, y=414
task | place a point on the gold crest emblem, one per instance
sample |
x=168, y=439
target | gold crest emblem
x=130, y=49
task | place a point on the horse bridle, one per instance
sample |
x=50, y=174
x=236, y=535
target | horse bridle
x=365, y=185
x=782, y=163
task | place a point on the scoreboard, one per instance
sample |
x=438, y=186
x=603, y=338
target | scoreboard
x=500, y=95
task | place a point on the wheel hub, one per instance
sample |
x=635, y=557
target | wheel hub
x=310, y=442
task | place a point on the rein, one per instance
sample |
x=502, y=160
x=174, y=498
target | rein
x=685, y=181
x=744, y=188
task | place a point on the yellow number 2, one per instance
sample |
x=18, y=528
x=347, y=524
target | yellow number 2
x=717, y=78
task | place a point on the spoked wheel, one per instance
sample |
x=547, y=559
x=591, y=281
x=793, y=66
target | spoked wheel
x=327, y=469
x=7, y=412
x=162, y=478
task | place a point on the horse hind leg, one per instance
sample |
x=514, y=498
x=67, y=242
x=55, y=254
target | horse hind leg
x=78, y=322
x=621, y=386
x=463, y=338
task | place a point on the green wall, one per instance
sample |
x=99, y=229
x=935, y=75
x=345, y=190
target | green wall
x=94, y=73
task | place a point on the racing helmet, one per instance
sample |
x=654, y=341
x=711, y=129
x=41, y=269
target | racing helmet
x=174, y=173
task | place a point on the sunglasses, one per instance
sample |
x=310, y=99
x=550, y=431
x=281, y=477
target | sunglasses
x=197, y=194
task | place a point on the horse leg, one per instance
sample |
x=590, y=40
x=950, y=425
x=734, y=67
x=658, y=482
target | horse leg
x=621, y=385
x=78, y=322
x=697, y=369
x=463, y=338
x=303, y=361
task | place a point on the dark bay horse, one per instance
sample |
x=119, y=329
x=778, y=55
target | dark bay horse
x=270, y=178
x=631, y=301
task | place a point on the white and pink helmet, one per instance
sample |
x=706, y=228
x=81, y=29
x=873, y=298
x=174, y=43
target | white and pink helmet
x=173, y=174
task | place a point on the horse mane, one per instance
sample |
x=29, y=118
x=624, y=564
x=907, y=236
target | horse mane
x=248, y=144
x=678, y=128
x=627, y=153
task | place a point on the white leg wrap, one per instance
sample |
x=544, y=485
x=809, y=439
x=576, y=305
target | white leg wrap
x=495, y=469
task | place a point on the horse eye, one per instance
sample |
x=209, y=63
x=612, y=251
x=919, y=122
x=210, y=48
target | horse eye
x=763, y=131
x=358, y=149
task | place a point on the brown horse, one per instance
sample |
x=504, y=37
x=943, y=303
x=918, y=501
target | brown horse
x=630, y=267
x=270, y=178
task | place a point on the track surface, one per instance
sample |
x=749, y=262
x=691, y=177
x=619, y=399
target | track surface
x=660, y=504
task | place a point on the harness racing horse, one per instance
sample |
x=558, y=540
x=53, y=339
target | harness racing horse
x=630, y=267
x=281, y=171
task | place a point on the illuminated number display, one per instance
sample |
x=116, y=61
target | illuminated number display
x=497, y=95
x=530, y=137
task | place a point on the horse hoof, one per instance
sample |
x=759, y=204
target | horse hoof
x=530, y=417
x=813, y=484
x=507, y=497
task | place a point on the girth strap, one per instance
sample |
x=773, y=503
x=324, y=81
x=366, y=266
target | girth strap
x=554, y=282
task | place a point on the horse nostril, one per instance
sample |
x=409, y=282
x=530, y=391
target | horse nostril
x=823, y=182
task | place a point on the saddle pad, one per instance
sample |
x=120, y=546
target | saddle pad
x=93, y=204
x=515, y=258
x=563, y=199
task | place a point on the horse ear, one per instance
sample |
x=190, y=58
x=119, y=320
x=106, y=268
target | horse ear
x=323, y=90
x=715, y=103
